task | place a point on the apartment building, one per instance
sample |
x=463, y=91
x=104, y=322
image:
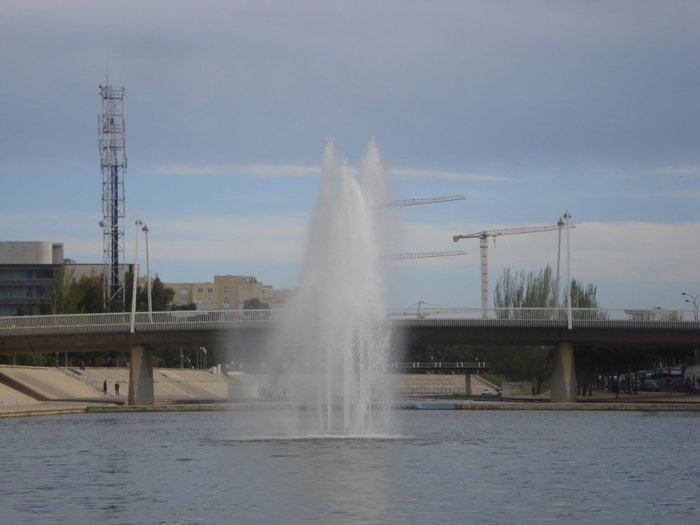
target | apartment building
x=227, y=292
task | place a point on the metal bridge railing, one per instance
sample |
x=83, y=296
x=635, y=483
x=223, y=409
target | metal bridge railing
x=580, y=315
x=231, y=319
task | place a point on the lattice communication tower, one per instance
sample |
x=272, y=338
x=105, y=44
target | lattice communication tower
x=111, y=130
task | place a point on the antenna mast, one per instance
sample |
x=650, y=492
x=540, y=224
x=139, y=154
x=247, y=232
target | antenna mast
x=113, y=165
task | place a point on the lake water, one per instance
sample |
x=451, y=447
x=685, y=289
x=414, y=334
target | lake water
x=431, y=466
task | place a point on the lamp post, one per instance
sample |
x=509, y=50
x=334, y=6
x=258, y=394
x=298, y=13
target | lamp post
x=148, y=274
x=567, y=217
x=138, y=223
x=561, y=224
x=694, y=301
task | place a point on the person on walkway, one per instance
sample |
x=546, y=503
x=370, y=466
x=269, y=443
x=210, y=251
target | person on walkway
x=104, y=387
x=116, y=389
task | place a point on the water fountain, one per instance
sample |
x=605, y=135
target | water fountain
x=335, y=338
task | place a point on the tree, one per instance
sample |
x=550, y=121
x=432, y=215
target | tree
x=521, y=290
x=66, y=294
x=255, y=304
x=535, y=289
x=584, y=296
x=92, y=300
x=161, y=296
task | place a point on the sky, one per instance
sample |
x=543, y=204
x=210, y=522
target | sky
x=528, y=109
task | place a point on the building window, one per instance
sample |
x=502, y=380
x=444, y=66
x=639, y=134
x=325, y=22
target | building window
x=183, y=291
x=227, y=303
x=200, y=290
x=209, y=290
x=227, y=290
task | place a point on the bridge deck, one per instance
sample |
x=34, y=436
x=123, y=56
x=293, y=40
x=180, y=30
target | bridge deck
x=546, y=326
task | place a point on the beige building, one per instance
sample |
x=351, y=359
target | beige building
x=227, y=292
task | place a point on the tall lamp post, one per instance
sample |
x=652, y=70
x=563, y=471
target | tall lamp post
x=138, y=223
x=567, y=218
x=694, y=301
x=561, y=224
x=145, y=230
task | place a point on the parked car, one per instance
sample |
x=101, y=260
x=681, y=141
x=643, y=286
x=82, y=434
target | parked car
x=676, y=371
x=487, y=392
x=650, y=385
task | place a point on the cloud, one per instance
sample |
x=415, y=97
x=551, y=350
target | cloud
x=626, y=251
x=678, y=171
x=447, y=175
x=217, y=238
x=291, y=170
x=253, y=170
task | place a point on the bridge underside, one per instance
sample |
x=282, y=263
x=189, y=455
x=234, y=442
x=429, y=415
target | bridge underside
x=406, y=333
x=622, y=336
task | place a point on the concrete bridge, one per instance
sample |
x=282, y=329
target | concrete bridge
x=230, y=328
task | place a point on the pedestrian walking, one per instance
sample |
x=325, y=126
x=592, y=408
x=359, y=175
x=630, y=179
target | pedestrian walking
x=104, y=387
x=116, y=389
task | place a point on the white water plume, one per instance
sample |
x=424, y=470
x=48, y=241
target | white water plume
x=334, y=344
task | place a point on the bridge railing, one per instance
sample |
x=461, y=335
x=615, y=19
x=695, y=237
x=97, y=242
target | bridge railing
x=121, y=322
x=579, y=316
x=69, y=324
x=205, y=319
x=222, y=319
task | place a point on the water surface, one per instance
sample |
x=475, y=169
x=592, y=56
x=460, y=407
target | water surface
x=433, y=466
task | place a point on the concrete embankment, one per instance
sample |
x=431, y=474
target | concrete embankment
x=45, y=391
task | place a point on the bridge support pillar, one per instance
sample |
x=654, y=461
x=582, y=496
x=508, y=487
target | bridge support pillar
x=564, y=387
x=141, y=376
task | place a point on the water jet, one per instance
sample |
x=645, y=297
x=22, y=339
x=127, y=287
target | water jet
x=334, y=340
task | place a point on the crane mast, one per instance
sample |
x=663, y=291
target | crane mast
x=483, y=244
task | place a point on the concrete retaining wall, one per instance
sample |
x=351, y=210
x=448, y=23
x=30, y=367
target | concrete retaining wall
x=428, y=384
x=201, y=385
x=513, y=389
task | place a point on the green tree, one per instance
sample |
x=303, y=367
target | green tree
x=161, y=295
x=584, y=296
x=535, y=289
x=515, y=290
x=66, y=294
x=255, y=304
x=92, y=300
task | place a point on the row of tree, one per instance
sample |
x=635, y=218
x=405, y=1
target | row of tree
x=85, y=295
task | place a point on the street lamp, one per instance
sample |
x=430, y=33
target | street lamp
x=561, y=224
x=694, y=301
x=148, y=274
x=567, y=217
x=138, y=224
